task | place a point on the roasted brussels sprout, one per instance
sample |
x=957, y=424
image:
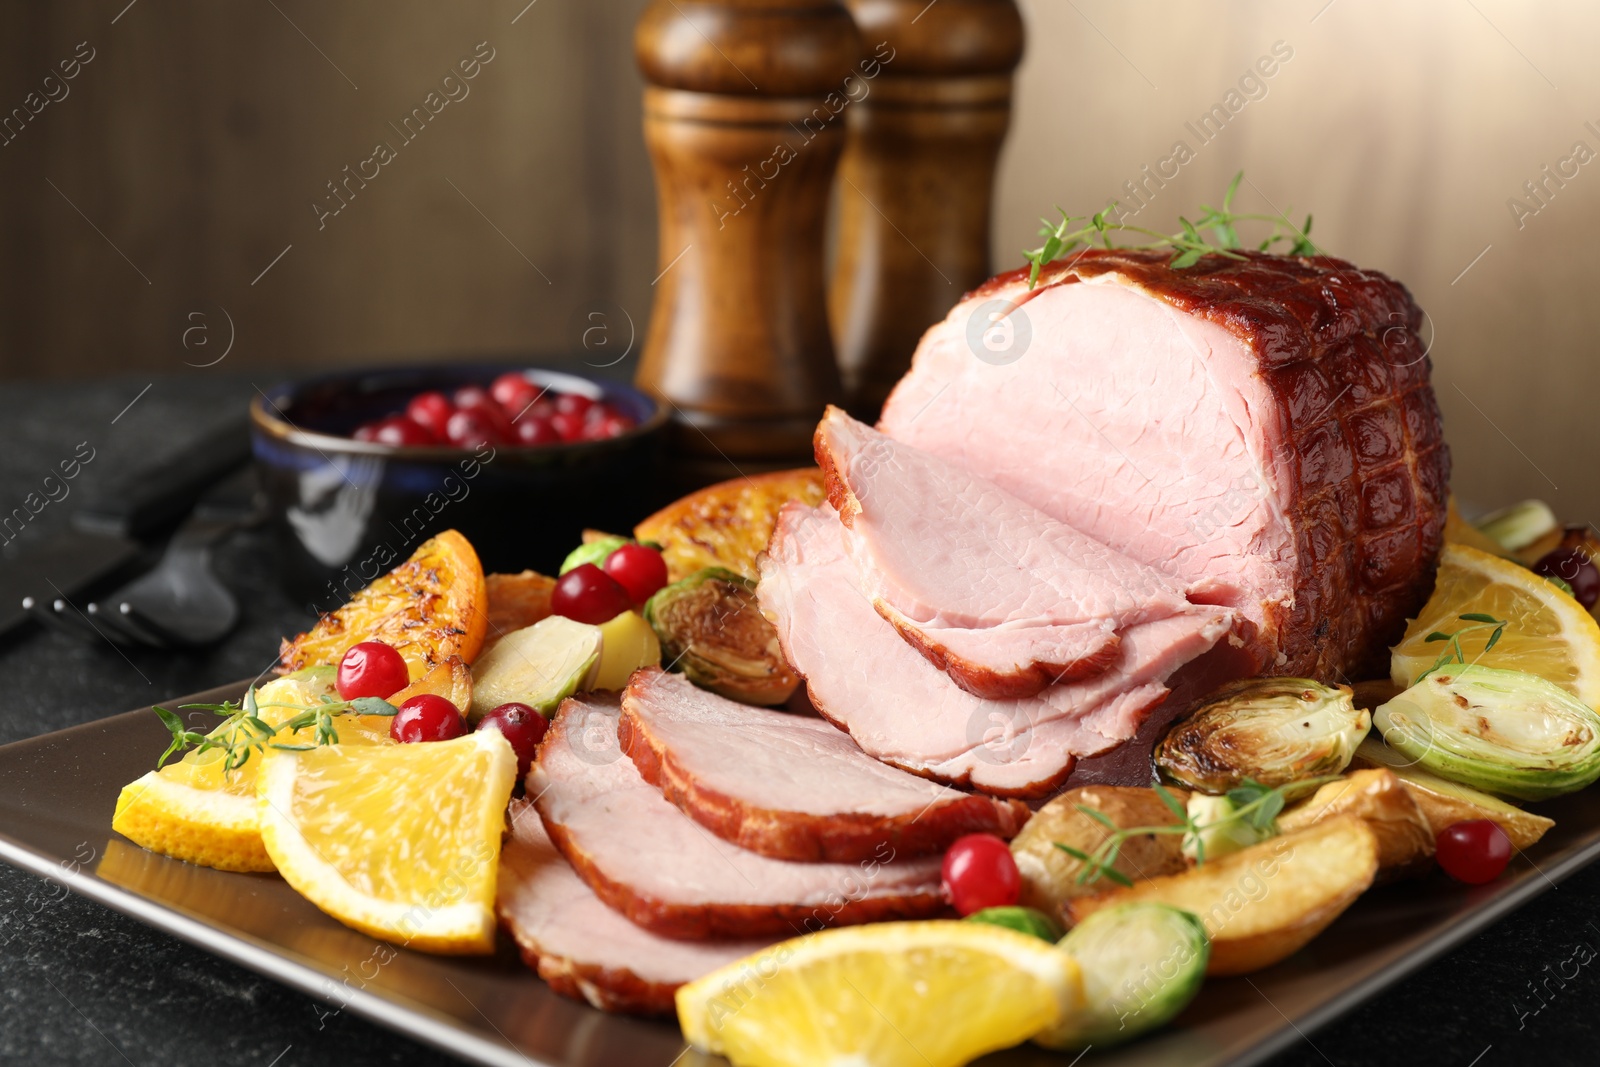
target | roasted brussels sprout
x=713, y=631
x=1501, y=731
x=1142, y=963
x=1273, y=730
x=1029, y=921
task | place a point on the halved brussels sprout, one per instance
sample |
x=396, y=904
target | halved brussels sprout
x=1142, y=963
x=1505, y=732
x=594, y=551
x=1023, y=920
x=1273, y=730
x=713, y=631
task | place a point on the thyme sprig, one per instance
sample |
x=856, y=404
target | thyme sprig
x=1253, y=803
x=1453, y=654
x=243, y=732
x=1188, y=244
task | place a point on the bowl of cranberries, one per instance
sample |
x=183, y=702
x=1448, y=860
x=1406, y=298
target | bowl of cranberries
x=362, y=465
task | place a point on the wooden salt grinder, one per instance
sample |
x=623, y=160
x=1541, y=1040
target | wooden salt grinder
x=917, y=179
x=745, y=141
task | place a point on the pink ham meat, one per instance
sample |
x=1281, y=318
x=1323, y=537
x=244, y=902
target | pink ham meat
x=665, y=872
x=581, y=947
x=789, y=786
x=1003, y=598
x=903, y=710
x=1261, y=428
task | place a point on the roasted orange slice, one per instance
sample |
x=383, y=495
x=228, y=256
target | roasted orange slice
x=727, y=524
x=431, y=607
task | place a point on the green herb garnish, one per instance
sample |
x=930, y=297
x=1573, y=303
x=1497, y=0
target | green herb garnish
x=1254, y=804
x=243, y=732
x=1188, y=244
x=1453, y=654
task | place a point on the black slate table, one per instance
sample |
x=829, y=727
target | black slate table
x=83, y=985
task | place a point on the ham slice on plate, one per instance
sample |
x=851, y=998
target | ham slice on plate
x=790, y=786
x=583, y=948
x=1002, y=597
x=905, y=711
x=670, y=875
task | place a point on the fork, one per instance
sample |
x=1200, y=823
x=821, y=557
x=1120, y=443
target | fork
x=180, y=603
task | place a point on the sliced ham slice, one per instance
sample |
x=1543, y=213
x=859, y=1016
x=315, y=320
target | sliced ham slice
x=583, y=948
x=1002, y=597
x=904, y=711
x=670, y=875
x=789, y=786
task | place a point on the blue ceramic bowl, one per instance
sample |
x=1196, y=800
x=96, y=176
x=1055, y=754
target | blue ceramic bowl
x=347, y=511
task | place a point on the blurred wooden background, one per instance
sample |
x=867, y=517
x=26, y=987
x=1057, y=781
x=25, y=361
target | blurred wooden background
x=169, y=186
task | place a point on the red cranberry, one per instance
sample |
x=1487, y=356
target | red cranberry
x=637, y=568
x=609, y=426
x=426, y=718
x=470, y=396
x=513, y=392
x=367, y=431
x=431, y=410
x=399, y=430
x=520, y=725
x=473, y=428
x=371, y=669
x=532, y=431
x=588, y=594
x=980, y=872
x=573, y=404
x=569, y=424
x=1575, y=567
x=1475, y=851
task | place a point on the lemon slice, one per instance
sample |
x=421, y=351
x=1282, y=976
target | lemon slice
x=1547, y=633
x=919, y=994
x=198, y=811
x=398, y=841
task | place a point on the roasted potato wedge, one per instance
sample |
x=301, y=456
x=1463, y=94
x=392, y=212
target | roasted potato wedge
x=728, y=524
x=1050, y=876
x=516, y=601
x=1379, y=799
x=1444, y=803
x=1264, y=903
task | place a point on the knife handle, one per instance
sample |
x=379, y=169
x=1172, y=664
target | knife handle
x=158, y=493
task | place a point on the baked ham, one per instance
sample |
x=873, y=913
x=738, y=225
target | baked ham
x=905, y=711
x=1261, y=428
x=1003, y=598
x=665, y=872
x=789, y=786
x=583, y=948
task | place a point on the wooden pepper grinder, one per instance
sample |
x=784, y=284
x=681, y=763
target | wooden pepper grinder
x=917, y=179
x=742, y=118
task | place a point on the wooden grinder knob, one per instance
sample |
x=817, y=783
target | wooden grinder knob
x=917, y=179
x=742, y=121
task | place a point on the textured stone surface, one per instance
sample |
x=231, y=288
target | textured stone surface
x=83, y=985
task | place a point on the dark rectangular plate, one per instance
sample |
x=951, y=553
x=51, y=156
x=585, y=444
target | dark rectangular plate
x=57, y=793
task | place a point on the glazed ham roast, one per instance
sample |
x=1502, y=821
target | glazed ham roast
x=789, y=786
x=1255, y=436
x=1263, y=429
x=668, y=874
